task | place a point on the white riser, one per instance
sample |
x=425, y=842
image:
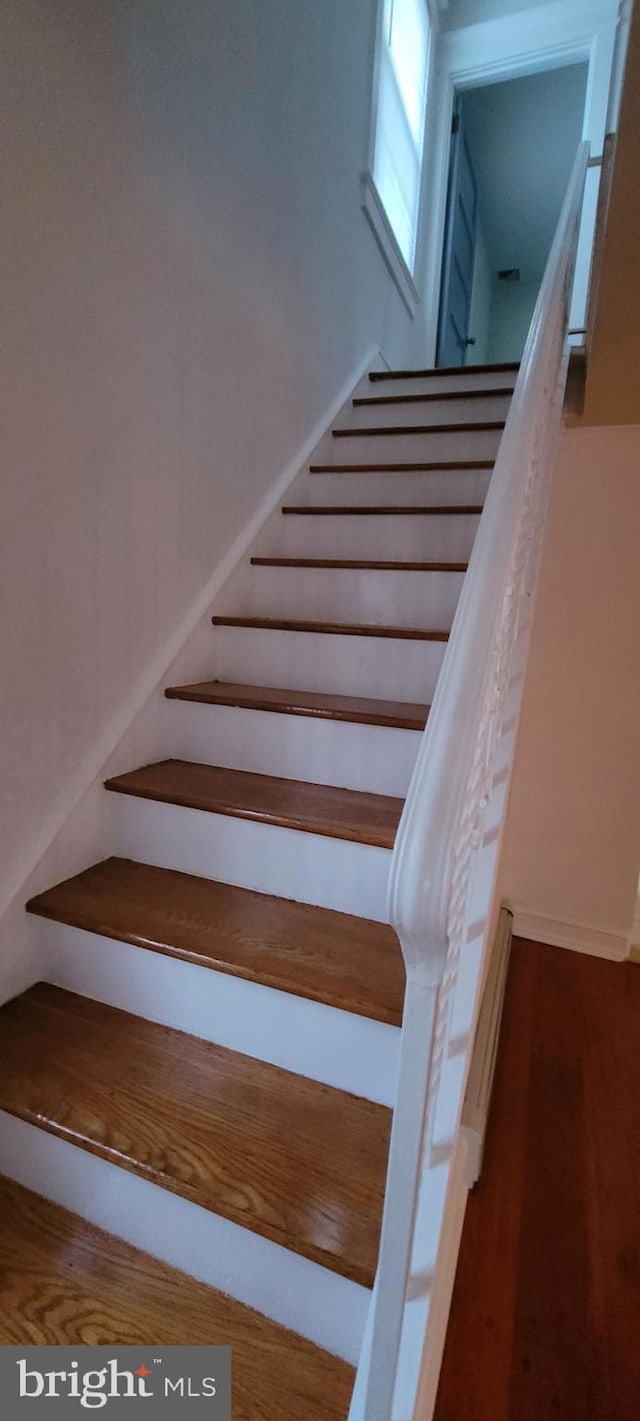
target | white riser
x=398, y=599
x=387, y=667
x=341, y=1049
x=437, y=539
x=448, y=486
x=429, y=384
x=366, y=757
x=331, y=873
x=474, y=444
x=314, y=1302
x=431, y=412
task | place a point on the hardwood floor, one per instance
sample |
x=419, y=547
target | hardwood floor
x=286, y=1157
x=429, y=510
x=62, y=1281
x=289, y=624
x=293, y=804
x=439, y=466
x=544, y=1321
x=383, y=401
x=464, y=427
x=361, y=564
x=294, y=947
x=440, y=370
x=359, y=710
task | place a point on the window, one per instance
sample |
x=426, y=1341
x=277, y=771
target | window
x=398, y=118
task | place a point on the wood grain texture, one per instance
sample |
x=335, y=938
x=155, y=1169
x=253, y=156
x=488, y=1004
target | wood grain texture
x=359, y=510
x=472, y=394
x=64, y=1282
x=545, y=1307
x=362, y=710
x=464, y=428
x=292, y=804
x=316, y=953
x=290, y=624
x=285, y=1157
x=377, y=375
x=440, y=466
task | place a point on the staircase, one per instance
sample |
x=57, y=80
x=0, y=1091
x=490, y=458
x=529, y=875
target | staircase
x=208, y=1069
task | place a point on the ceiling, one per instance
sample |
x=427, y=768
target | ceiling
x=523, y=134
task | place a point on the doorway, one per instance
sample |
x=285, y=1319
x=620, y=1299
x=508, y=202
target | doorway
x=513, y=145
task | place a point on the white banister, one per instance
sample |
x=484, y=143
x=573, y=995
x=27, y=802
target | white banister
x=442, y=884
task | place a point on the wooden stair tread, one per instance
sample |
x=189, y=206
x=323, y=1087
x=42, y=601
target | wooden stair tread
x=412, y=510
x=376, y=375
x=402, y=715
x=65, y=1282
x=440, y=466
x=316, y=953
x=283, y=1156
x=293, y=804
x=474, y=394
x=488, y=424
x=361, y=564
x=288, y=624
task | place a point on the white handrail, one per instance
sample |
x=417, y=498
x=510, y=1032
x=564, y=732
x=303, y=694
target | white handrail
x=442, y=825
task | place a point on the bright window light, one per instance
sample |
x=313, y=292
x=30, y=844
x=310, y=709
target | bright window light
x=399, y=117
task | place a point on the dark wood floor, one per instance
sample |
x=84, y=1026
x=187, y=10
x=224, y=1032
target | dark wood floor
x=545, y=1322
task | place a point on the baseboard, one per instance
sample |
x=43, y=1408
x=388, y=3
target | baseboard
x=477, y=1101
x=92, y=768
x=577, y=937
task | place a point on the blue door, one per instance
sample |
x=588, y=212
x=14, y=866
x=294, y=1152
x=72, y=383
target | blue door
x=459, y=250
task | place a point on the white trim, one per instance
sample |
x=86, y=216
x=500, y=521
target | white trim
x=383, y=233
x=311, y=1300
x=93, y=766
x=547, y=36
x=443, y=1280
x=577, y=937
x=405, y=278
x=477, y=1101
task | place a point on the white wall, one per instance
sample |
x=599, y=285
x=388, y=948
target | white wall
x=190, y=282
x=523, y=136
x=572, y=840
x=512, y=305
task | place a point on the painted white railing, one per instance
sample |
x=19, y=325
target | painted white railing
x=442, y=886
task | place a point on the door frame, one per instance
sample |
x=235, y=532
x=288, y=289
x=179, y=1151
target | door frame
x=548, y=36
x=456, y=137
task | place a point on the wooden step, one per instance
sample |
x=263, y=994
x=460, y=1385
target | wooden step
x=361, y=564
x=359, y=510
x=64, y=1282
x=439, y=467
x=385, y=429
x=287, y=624
x=360, y=710
x=282, y=1156
x=291, y=804
x=377, y=375
x=380, y=401
x=312, y=952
